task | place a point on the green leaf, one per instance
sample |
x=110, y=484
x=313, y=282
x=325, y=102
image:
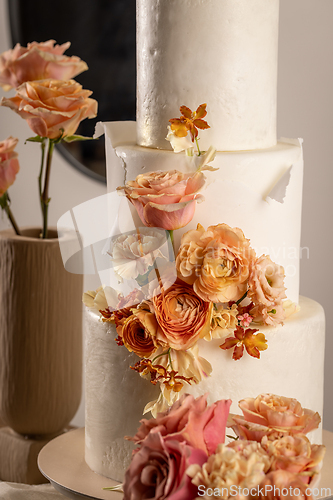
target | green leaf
x=38, y=138
x=73, y=138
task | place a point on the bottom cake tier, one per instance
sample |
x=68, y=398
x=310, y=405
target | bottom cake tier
x=292, y=366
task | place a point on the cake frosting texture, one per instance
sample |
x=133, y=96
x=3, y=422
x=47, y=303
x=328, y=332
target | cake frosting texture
x=223, y=52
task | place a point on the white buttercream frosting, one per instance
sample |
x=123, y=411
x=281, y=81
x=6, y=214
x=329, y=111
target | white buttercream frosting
x=292, y=366
x=219, y=52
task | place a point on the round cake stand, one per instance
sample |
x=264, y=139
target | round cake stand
x=62, y=462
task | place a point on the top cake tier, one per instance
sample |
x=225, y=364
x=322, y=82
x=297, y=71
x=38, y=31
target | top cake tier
x=219, y=52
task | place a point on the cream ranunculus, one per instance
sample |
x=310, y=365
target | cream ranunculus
x=224, y=319
x=136, y=253
x=229, y=469
x=216, y=262
x=52, y=107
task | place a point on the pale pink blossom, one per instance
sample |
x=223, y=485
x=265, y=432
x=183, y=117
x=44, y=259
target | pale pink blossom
x=38, y=61
x=9, y=164
x=245, y=319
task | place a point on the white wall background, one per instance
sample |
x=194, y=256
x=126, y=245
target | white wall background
x=305, y=109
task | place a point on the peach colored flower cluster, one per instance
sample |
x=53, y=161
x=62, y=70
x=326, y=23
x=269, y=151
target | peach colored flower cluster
x=181, y=454
x=222, y=267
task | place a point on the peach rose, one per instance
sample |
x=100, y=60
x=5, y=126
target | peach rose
x=138, y=333
x=9, y=164
x=157, y=470
x=281, y=485
x=190, y=420
x=182, y=315
x=165, y=199
x=216, y=262
x=52, y=107
x=271, y=414
x=38, y=61
x=295, y=454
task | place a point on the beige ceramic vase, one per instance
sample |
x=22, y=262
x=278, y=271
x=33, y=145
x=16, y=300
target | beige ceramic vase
x=40, y=334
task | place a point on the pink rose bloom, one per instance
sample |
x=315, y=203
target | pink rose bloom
x=295, y=454
x=268, y=414
x=192, y=421
x=38, y=61
x=165, y=199
x=282, y=485
x=52, y=107
x=9, y=165
x=157, y=470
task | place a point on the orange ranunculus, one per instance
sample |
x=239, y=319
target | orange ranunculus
x=182, y=315
x=216, y=262
x=52, y=107
x=138, y=333
x=9, y=164
x=38, y=61
x=165, y=199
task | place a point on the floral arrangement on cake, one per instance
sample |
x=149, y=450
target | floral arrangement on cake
x=53, y=105
x=182, y=454
x=215, y=287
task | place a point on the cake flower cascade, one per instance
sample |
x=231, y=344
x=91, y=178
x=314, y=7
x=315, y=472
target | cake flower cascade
x=216, y=288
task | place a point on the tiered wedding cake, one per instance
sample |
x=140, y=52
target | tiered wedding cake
x=223, y=53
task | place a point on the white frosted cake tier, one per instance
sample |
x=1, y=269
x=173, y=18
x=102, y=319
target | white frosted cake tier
x=242, y=193
x=292, y=366
x=220, y=52
x=115, y=396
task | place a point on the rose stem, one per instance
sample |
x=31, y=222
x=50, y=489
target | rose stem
x=41, y=175
x=170, y=231
x=10, y=214
x=45, y=194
